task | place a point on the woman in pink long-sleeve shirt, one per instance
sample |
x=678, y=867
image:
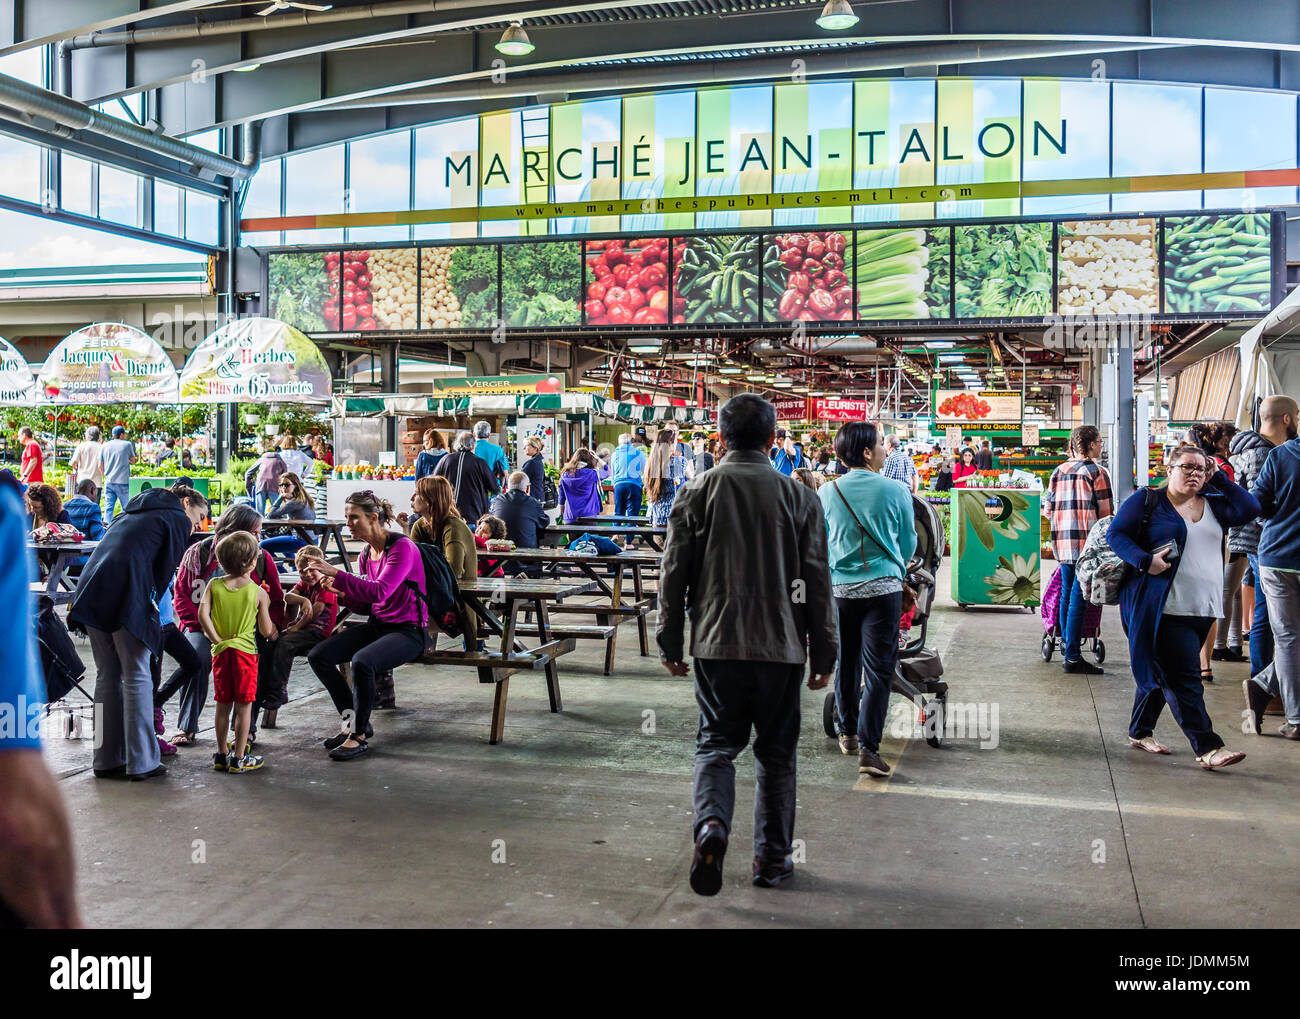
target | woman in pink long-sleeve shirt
x=390, y=588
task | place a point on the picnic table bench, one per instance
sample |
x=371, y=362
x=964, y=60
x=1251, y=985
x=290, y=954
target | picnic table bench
x=327, y=529
x=58, y=586
x=564, y=533
x=612, y=609
x=611, y=518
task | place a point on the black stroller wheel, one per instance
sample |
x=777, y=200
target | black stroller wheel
x=1099, y=650
x=828, y=714
x=1049, y=645
x=933, y=724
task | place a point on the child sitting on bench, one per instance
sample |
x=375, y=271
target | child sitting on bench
x=317, y=612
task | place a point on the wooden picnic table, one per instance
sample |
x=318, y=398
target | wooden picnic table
x=482, y=595
x=326, y=528
x=598, y=568
x=653, y=536
x=610, y=518
x=57, y=586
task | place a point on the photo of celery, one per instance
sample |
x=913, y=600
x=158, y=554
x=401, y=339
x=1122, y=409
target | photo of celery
x=903, y=274
x=1218, y=263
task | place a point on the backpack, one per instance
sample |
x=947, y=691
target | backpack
x=441, y=595
x=268, y=473
x=1101, y=573
x=550, y=494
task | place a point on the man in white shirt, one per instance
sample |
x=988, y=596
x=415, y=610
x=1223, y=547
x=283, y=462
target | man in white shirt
x=85, y=459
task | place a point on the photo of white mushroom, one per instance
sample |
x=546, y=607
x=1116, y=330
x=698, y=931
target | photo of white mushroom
x=1107, y=267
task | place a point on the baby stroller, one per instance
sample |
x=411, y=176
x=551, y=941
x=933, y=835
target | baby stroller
x=917, y=674
x=1091, y=624
x=63, y=671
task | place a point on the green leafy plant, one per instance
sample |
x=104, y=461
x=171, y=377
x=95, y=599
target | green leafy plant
x=1003, y=270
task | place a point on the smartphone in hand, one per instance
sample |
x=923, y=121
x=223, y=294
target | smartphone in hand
x=1170, y=548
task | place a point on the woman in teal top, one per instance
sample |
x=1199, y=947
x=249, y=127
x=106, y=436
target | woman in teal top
x=872, y=536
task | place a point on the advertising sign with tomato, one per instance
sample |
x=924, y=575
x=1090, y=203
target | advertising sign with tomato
x=808, y=277
x=627, y=282
x=969, y=406
x=715, y=279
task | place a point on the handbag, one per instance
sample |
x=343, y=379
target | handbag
x=57, y=534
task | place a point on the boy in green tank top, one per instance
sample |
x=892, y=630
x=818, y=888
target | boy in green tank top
x=233, y=609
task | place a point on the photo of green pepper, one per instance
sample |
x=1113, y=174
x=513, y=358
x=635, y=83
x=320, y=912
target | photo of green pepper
x=1218, y=263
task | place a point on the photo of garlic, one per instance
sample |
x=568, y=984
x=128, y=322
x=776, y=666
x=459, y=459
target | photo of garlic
x=1107, y=267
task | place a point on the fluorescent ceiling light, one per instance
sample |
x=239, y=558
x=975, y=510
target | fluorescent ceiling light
x=951, y=358
x=757, y=378
x=731, y=369
x=514, y=41
x=940, y=344
x=644, y=348
x=837, y=16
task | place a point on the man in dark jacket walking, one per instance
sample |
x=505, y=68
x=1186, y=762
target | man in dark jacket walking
x=755, y=619
x=116, y=601
x=471, y=478
x=1247, y=453
x=1278, y=492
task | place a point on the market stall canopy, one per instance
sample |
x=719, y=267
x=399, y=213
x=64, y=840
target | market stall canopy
x=1259, y=377
x=17, y=383
x=258, y=360
x=532, y=403
x=108, y=362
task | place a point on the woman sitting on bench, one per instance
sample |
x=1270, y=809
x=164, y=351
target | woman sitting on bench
x=390, y=587
x=440, y=524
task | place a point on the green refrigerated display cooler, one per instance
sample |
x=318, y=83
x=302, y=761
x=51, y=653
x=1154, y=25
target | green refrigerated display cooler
x=995, y=545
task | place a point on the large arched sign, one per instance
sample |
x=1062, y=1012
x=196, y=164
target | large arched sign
x=108, y=362
x=257, y=360
x=17, y=383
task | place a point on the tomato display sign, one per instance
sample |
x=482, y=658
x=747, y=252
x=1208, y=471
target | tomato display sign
x=832, y=409
x=968, y=407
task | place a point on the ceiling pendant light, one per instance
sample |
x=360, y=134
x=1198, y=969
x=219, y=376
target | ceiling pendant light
x=514, y=41
x=837, y=16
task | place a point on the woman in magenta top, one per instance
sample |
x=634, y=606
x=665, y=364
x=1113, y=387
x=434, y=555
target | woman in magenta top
x=390, y=588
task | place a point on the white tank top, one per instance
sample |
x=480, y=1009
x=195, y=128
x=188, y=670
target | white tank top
x=1198, y=585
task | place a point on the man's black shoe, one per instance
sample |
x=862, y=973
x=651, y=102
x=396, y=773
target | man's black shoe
x=1083, y=668
x=769, y=875
x=158, y=772
x=706, y=862
x=118, y=772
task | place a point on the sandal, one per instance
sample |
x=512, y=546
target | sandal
x=184, y=739
x=1220, y=758
x=1148, y=743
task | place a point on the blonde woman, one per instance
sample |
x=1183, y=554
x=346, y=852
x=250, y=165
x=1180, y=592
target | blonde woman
x=665, y=472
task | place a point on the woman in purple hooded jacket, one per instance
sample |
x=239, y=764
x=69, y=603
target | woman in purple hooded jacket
x=580, y=487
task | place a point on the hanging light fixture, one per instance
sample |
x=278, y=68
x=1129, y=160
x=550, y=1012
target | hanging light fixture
x=837, y=16
x=514, y=41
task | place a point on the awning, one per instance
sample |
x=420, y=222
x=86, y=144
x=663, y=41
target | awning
x=532, y=403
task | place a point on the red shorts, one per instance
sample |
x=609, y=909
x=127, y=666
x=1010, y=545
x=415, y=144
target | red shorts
x=234, y=677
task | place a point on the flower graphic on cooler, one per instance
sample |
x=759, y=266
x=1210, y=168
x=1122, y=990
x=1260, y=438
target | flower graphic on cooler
x=1012, y=519
x=1014, y=582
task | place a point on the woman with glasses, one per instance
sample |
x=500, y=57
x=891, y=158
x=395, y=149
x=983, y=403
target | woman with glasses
x=292, y=503
x=1174, y=538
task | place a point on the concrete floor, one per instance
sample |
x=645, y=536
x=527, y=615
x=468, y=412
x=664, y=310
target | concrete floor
x=582, y=819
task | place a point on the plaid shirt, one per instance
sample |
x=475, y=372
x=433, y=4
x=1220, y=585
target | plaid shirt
x=1078, y=495
x=900, y=467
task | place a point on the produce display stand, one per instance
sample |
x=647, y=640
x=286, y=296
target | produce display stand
x=209, y=488
x=396, y=492
x=994, y=536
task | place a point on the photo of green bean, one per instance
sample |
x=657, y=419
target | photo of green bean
x=1218, y=263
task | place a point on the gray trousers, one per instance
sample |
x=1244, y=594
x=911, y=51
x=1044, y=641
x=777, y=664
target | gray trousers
x=735, y=698
x=1282, y=678
x=1229, y=630
x=194, y=695
x=123, y=703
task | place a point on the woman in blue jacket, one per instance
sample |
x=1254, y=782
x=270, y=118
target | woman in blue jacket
x=1175, y=594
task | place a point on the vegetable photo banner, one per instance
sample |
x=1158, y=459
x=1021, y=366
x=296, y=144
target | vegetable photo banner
x=108, y=362
x=17, y=383
x=256, y=360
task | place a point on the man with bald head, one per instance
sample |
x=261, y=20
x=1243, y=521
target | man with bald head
x=1277, y=568
x=1249, y=450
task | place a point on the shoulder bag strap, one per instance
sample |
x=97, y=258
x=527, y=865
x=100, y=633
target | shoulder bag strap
x=861, y=529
